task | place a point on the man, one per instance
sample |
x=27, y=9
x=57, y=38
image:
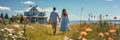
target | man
x=53, y=18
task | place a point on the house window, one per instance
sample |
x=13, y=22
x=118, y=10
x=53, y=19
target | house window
x=33, y=9
x=41, y=14
x=33, y=13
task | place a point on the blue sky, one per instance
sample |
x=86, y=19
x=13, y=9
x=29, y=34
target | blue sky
x=73, y=7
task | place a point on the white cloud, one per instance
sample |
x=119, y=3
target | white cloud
x=4, y=8
x=49, y=9
x=28, y=2
x=108, y=0
x=19, y=11
x=71, y=16
x=75, y=17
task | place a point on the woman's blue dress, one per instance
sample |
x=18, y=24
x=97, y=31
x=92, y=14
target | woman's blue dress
x=64, y=24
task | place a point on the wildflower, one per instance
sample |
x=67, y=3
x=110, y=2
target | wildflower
x=79, y=37
x=23, y=37
x=70, y=39
x=88, y=29
x=10, y=30
x=110, y=38
x=2, y=30
x=112, y=30
x=84, y=39
x=16, y=25
x=77, y=31
x=66, y=38
x=20, y=33
x=18, y=21
x=83, y=34
x=6, y=28
x=101, y=34
x=29, y=26
x=10, y=35
x=106, y=33
x=14, y=36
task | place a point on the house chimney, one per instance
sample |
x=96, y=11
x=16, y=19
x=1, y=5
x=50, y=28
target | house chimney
x=36, y=5
x=30, y=5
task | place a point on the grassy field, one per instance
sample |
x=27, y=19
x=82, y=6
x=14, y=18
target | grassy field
x=86, y=31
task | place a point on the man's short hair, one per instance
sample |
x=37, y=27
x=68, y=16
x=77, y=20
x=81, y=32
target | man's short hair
x=54, y=8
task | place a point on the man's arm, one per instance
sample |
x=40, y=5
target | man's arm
x=58, y=17
x=50, y=16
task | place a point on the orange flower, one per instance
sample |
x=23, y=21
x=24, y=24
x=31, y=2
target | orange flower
x=110, y=38
x=88, y=29
x=83, y=34
x=106, y=33
x=112, y=31
x=101, y=34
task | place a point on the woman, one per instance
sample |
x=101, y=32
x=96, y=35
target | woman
x=64, y=21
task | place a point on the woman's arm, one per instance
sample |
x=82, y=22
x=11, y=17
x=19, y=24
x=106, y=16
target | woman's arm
x=61, y=16
x=68, y=19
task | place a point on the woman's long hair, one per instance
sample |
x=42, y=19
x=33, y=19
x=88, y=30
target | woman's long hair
x=64, y=13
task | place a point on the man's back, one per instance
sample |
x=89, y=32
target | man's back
x=53, y=16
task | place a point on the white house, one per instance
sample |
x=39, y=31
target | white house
x=35, y=14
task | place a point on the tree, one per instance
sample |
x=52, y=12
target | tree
x=1, y=15
x=6, y=16
x=12, y=18
x=21, y=19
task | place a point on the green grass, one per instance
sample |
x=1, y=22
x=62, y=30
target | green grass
x=42, y=32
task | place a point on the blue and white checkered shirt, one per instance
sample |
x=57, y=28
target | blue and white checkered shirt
x=53, y=16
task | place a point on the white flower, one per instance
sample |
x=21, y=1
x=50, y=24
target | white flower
x=79, y=37
x=23, y=37
x=6, y=28
x=16, y=25
x=22, y=32
x=70, y=39
x=20, y=36
x=14, y=36
x=29, y=26
x=10, y=31
x=66, y=38
x=10, y=34
x=2, y=30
